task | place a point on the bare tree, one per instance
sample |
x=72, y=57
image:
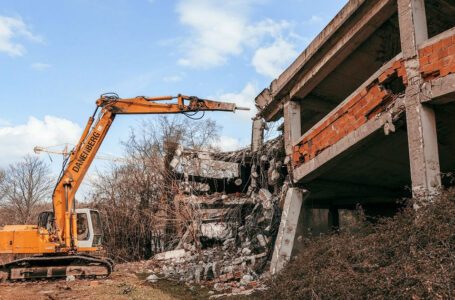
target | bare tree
x=2, y=185
x=163, y=130
x=137, y=198
x=26, y=184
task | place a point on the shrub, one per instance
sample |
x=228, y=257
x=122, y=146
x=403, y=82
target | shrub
x=409, y=256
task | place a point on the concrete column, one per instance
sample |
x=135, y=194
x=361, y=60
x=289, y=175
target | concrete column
x=257, y=135
x=286, y=234
x=292, y=124
x=421, y=123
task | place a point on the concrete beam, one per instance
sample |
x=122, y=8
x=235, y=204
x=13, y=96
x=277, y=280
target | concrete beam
x=257, y=135
x=440, y=90
x=292, y=124
x=421, y=123
x=319, y=164
x=264, y=98
x=206, y=168
x=286, y=233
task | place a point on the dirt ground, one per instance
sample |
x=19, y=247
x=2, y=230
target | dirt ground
x=123, y=283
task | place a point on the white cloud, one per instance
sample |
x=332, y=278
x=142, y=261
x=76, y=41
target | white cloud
x=220, y=29
x=271, y=60
x=173, y=78
x=40, y=66
x=243, y=99
x=4, y=122
x=17, y=141
x=227, y=143
x=10, y=30
x=315, y=19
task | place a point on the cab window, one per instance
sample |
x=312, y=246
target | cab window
x=96, y=223
x=82, y=227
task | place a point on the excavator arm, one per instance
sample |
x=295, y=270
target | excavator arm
x=94, y=133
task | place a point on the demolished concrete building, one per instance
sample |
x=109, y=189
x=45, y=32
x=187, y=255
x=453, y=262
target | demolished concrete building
x=230, y=203
x=366, y=112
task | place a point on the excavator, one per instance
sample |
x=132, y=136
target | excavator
x=67, y=241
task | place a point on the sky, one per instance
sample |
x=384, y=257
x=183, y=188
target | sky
x=58, y=56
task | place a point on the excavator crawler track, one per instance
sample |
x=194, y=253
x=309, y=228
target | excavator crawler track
x=54, y=267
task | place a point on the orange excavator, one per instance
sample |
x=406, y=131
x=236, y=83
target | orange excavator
x=66, y=241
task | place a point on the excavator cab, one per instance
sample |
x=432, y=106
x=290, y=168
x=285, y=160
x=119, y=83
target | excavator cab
x=89, y=226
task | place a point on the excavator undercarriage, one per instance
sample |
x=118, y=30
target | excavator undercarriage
x=46, y=267
x=58, y=265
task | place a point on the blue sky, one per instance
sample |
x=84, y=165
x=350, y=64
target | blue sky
x=57, y=57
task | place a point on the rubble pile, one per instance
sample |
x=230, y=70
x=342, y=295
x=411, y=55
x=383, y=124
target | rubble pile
x=229, y=235
x=232, y=249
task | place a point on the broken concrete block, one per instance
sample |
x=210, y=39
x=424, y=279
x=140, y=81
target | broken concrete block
x=261, y=240
x=265, y=195
x=173, y=254
x=253, y=183
x=207, y=168
x=174, y=162
x=266, y=198
x=246, y=279
x=246, y=251
x=152, y=278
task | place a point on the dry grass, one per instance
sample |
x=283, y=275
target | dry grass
x=410, y=256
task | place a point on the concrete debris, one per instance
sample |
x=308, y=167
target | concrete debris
x=170, y=254
x=201, y=164
x=152, y=278
x=234, y=248
x=216, y=231
x=227, y=242
x=206, y=168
